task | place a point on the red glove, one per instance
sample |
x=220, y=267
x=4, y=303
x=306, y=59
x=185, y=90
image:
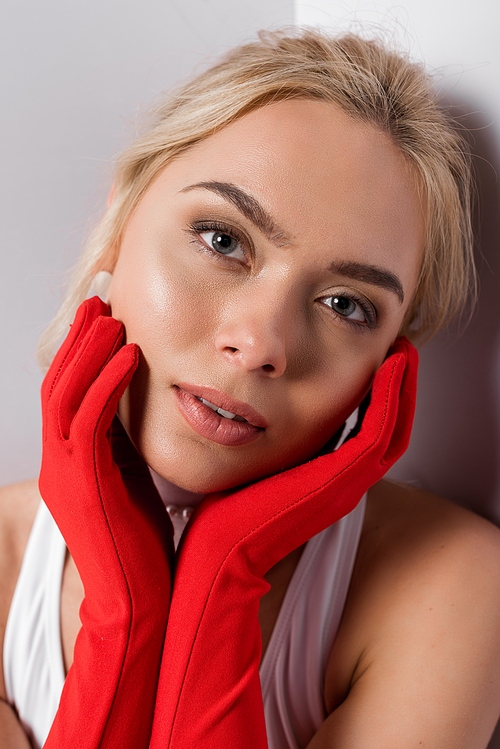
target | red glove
x=118, y=533
x=209, y=693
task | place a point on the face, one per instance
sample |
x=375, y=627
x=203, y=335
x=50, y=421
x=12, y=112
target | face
x=265, y=273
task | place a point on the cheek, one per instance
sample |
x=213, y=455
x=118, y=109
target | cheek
x=349, y=393
x=170, y=315
x=156, y=304
x=328, y=402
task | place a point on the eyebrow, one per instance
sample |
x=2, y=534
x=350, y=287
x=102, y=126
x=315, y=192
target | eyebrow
x=247, y=205
x=371, y=274
x=254, y=212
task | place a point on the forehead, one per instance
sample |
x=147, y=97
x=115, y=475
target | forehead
x=323, y=177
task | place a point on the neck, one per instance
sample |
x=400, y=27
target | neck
x=178, y=502
x=174, y=495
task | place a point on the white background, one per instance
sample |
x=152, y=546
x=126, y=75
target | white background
x=73, y=78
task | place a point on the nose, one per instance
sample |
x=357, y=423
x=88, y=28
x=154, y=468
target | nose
x=253, y=338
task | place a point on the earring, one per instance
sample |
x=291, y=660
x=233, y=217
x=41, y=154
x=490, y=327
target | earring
x=100, y=284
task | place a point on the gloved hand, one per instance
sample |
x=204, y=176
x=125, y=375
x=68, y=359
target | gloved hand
x=116, y=528
x=209, y=693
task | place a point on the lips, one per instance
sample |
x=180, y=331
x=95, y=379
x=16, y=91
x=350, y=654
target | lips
x=218, y=417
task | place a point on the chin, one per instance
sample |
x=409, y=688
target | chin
x=199, y=482
x=209, y=473
x=204, y=471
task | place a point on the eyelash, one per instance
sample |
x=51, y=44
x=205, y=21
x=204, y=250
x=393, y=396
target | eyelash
x=197, y=228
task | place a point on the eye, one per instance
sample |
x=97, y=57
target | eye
x=346, y=307
x=223, y=243
x=353, y=310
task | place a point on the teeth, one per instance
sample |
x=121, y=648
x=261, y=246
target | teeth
x=210, y=405
x=226, y=414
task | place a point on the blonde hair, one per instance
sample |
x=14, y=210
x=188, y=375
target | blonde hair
x=367, y=80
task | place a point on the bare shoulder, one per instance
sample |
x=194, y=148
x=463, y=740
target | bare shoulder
x=18, y=503
x=418, y=534
x=422, y=615
x=18, y=506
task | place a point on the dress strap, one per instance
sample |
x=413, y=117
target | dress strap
x=294, y=666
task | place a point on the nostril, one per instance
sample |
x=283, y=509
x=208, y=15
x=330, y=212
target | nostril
x=260, y=349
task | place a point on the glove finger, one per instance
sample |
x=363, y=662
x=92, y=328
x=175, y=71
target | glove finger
x=85, y=316
x=401, y=432
x=390, y=413
x=101, y=343
x=98, y=407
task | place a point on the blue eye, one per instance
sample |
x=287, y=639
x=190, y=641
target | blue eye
x=346, y=307
x=223, y=243
x=358, y=312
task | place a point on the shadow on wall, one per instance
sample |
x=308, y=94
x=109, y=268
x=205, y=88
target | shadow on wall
x=455, y=446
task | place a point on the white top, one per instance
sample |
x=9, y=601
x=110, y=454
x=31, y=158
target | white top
x=292, y=671
x=33, y=661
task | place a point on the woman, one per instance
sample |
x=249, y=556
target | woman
x=290, y=213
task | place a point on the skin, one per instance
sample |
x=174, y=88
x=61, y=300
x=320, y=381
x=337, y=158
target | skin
x=415, y=662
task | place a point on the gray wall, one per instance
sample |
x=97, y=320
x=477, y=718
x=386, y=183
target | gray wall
x=74, y=76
